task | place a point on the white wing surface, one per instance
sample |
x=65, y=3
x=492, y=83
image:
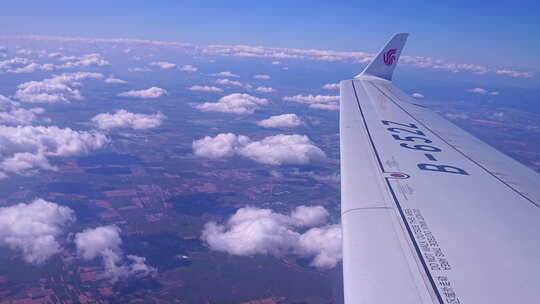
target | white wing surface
x=430, y=214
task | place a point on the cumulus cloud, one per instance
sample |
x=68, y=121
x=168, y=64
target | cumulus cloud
x=93, y=59
x=312, y=98
x=358, y=57
x=222, y=145
x=104, y=242
x=112, y=79
x=125, y=119
x=229, y=82
x=273, y=150
x=34, y=228
x=138, y=69
x=331, y=86
x=205, y=89
x=58, y=89
x=478, y=91
x=253, y=231
x=25, y=65
x=28, y=147
x=482, y=91
x=417, y=95
x=304, y=216
x=277, y=54
x=188, y=68
x=12, y=114
x=262, y=76
x=153, y=92
x=225, y=74
x=323, y=243
x=515, y=74
x=283, y=149
x=20, y=65
x=235, y=103
x=265, y=89
x=322, y=102
x=281, y=121
x=325, y=106
x=163, y=64
x=20, y=116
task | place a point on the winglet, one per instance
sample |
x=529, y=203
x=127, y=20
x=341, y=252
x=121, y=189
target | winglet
x=383, y=65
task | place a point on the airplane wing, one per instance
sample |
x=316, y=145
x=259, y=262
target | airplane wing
x=430, y=214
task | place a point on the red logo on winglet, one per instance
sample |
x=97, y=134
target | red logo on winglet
x=389, y=56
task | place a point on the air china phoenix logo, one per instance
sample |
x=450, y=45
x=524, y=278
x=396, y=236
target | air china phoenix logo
x=390, y=56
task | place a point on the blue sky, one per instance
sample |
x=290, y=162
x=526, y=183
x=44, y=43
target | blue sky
x=496, y=33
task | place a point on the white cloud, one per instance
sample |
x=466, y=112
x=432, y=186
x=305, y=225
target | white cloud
x=515, y=74
x=331, y=86
x=253, y=231
x=137, y=69
x=482, y=91
x=112, y=79
x=34, y=228
x=27, y=147
x=225, y=74
x=283, y=149
x=234, y=103
x=417, y=95
x=12, y=114
x=13, y=63
x=93, y=242
x=153, y=92
x=58, y=89
x=55, y=55
x=188, y=68
x=262, y=76
x=304, y=216
x=312, y=98
x=325, y=106
x=229, y=82
x=93, y=59
x=114, y=41
x=277, y=54
x=30, y=68
x=281, y=121
x=324, y=243
x=478, y=91
x=125, y=119
x=222, y=145
x=24, y=52
x=321, y=102
x=20, y=116
x=273, y=150
x=357, y=57
x=265, y=89
x=104, y=242
x=205, y=89
x=163, y=64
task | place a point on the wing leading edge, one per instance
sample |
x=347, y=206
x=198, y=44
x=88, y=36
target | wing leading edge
x=430, y=214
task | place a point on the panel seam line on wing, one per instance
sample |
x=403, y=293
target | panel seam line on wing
x=366, y=208
x=396, y=201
